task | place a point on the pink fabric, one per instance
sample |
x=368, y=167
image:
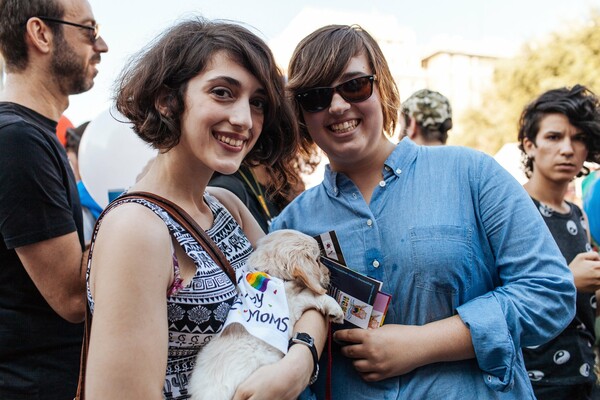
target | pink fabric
x=177, y=284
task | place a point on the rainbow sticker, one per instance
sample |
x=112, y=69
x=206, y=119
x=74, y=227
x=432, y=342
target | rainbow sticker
x=258, y=280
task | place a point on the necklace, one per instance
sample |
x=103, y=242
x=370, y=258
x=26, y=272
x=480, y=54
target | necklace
x=258, y=194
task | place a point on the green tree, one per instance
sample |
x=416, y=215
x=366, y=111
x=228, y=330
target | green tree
x=564, y=58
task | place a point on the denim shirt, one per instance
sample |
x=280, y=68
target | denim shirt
x=448, y=231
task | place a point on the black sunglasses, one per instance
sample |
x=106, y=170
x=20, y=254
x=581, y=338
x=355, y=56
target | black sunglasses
x=94, y=30
x=353, y=91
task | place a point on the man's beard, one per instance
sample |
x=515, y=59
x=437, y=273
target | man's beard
x=68, y=70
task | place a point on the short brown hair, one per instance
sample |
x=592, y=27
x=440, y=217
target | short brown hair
x=320, y=58
x=14, y=15
x=164, y=68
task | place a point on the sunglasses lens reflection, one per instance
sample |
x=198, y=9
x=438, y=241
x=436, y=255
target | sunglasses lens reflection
x=358, y=89
x=353, y=91
x=316, y=99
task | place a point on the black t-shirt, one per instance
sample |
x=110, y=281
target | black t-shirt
x=236, y=184
x=39, y=351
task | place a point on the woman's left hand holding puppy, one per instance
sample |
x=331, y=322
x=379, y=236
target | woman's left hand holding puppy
x=285, y=379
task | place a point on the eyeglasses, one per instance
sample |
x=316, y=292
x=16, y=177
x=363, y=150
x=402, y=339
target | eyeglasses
x=353, y=91
x=93, y=30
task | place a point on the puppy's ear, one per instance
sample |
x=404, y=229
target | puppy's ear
x=307, y=270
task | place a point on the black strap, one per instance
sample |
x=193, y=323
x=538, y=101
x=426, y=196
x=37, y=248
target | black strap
x=185, y=220
x=84, y=352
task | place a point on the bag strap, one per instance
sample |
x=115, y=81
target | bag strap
x=84, y=351
x=185, y=220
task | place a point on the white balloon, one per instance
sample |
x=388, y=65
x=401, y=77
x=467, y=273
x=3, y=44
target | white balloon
x=111, y=155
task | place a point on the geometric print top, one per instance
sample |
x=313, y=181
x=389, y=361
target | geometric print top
x=197, y=311
x=569, y=358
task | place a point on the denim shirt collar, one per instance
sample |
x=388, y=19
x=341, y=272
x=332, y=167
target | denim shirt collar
x=401, y=158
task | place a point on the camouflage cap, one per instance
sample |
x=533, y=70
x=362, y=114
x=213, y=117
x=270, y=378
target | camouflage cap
x=427, y=107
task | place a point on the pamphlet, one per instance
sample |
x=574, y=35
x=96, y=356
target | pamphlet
x=330, y=247
x=353, y=291
x=360, y=296
x=380, y=307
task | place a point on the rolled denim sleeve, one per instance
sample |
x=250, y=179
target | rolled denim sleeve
x=534, y=298
x=494, y=348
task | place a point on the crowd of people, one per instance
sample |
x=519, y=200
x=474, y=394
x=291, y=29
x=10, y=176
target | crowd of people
x=493, y=284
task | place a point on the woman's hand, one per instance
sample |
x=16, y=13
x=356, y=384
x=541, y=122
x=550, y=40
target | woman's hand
x=283, y=380
x=381, y=353
x=393, y=350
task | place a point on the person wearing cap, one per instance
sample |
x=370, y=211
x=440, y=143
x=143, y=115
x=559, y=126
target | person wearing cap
x=427, y=118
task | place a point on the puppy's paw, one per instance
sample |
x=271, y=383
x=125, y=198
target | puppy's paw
x=333, y=310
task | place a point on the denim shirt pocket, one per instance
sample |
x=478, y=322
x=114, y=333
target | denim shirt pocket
x=442, y=257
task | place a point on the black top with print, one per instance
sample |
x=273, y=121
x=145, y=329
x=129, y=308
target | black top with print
x=568, y=359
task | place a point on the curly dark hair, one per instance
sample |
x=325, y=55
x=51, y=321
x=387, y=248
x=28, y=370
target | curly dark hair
x=162, y=70
x=14, y=15
x=580, y=105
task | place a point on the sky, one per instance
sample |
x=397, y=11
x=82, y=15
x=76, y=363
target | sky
x=128, y=25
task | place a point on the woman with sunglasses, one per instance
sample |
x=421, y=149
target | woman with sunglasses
x=472, y=271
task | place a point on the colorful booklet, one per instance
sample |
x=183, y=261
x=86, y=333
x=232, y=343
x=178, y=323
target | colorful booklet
x=353, y=291
x=360, y=296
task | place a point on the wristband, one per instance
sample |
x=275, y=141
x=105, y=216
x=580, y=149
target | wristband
x=308, y=341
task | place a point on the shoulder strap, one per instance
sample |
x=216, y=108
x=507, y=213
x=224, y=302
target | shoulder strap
x=80, y=394
x=185, y=220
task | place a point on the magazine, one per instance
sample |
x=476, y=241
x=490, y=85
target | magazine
x=360, y=296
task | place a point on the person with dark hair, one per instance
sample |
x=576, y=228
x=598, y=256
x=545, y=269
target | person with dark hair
x=252, y=185
x=558, y=131
x=455, y=240
x=426, y=118
x=208, y=95
x=91, y=210
x=51, y=49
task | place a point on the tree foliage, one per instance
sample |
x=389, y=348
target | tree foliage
x=564, y=58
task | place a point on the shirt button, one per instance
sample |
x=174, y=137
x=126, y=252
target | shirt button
x=369, y=222
x=382, y=183
x=398, y=171
x=354, y=195
x=376, y=264
x=335, y=191
x=489, y=378
x=387, y=168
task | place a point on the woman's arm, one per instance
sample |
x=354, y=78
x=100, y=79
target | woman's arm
x=131, y=271
x=288, y=377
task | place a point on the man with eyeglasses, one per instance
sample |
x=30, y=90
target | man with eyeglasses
x=51, y=49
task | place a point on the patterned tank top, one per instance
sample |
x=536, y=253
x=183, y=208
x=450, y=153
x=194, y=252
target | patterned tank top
x=198, y=310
